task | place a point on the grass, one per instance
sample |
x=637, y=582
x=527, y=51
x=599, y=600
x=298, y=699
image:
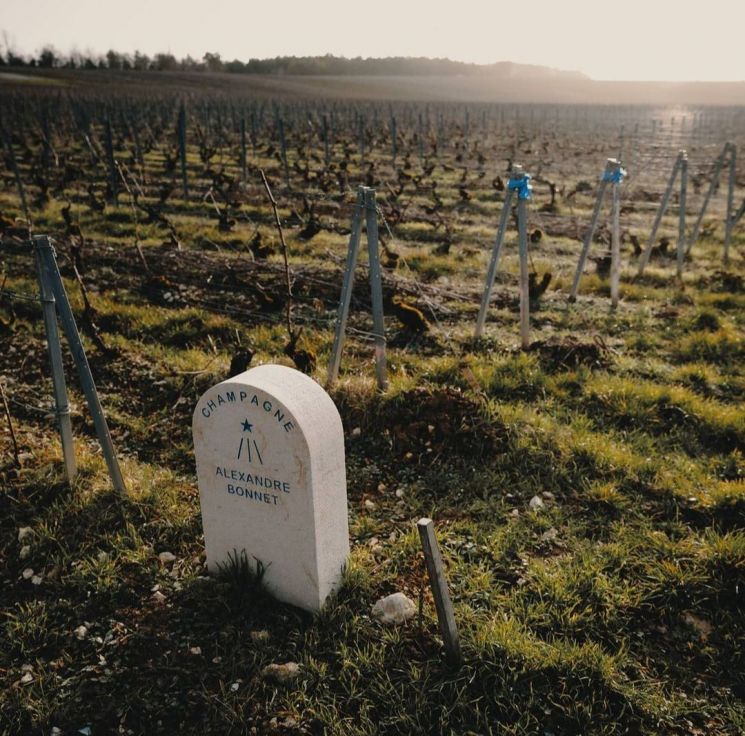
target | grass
x=615, y=607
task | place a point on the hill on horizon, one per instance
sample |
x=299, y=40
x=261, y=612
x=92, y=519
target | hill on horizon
x=508, y=84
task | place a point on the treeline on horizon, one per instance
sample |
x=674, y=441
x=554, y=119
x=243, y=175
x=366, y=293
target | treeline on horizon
x=50, y=58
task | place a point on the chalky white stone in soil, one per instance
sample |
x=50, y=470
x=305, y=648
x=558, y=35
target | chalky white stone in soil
x=269, y=448
x=395, y=608
x=281, y=673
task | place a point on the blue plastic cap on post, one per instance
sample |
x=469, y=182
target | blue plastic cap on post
x=615, y=175
x=521, y=185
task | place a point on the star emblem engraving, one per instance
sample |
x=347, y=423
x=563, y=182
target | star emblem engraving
x=247, y=426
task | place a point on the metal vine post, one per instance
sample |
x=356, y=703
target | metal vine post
x=285, y=252
x=613, y=174
x=365, y=202
x=519, y=185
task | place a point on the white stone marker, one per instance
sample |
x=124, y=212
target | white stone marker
x=269, y=447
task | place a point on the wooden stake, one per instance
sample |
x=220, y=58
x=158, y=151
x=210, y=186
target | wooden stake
x=445, y=615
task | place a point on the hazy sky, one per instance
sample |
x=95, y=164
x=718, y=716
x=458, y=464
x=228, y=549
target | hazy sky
x=626, y=39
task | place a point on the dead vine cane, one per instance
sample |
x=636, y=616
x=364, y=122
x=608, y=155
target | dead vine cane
x=278, y=225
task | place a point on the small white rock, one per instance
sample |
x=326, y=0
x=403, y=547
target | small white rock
x=260, y=635
x=394, y=609
x=28, y=677
x=158, y=597
x=25, y=552
x=548, y=495
x=536, y=503
x=166, y=558
x=382, y=487
x=36, y=579
x=281, y=673
x=234, y=687
x=550, y=535
x=399, y=492
x=103, y=556
x=23, y=532
x=81, y=632
x=356, y=432
x=27, y=573
x=196, y=651
x=515, y=512
x=370, y=505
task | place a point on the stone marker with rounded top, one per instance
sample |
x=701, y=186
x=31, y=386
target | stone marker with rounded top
x=269, y=447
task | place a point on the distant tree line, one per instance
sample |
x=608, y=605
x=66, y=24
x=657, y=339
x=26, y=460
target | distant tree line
x=50, y=58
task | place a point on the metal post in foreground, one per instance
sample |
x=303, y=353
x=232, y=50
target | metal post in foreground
x=51, y=272
x=612, y=174
x=712, y=186
x=443, y=605
x=588, y=238
x=492, y=272
x=521, y=184
x=366, y=201
x=346, y=289
x=376, y=287
x=615, y=248
x=647, y=252
x=62, y=406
